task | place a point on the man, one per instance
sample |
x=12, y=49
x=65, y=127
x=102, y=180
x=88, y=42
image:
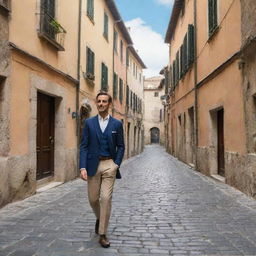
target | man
x=101, y=154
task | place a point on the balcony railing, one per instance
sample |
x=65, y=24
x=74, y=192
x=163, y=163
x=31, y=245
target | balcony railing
x=52, y=31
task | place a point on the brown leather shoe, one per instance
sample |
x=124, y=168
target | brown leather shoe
x=104, y=241
x=97, y=224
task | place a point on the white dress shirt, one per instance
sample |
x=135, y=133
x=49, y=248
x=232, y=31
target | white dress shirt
x=103, y=122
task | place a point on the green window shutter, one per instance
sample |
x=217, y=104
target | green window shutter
x=127, y=57
x=121, y=50
x=104, y=77
x=105, y=33
x=215, y=22
x=178, y=65
x=191, y=44
x=115, y=80
x=182, y=69
x=90, y=8
x=127, y=95
x=185, y=45
x=212, y=16
x=115, y=41
x=120, y=90
x=89, y=61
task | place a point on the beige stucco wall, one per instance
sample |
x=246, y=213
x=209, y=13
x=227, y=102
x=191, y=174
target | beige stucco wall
x=224, y=43
x=24, y=27
x=92, y=37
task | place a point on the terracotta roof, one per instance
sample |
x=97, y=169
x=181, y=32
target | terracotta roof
x=177, y=6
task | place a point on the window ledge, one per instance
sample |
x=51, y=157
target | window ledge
x=91, y=19
x=54, y=43
x=213, y=34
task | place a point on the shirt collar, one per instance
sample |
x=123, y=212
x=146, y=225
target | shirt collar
x=103, y=119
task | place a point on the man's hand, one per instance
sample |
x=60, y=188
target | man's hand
x=83, y=174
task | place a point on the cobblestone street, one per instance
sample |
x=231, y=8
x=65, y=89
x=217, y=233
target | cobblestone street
x=160, y=207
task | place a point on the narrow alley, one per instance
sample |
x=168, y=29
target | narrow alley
x=160, y=207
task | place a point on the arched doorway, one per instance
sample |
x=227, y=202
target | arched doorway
x=154, y=135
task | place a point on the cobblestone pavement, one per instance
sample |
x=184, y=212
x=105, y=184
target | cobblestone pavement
x=160, y=207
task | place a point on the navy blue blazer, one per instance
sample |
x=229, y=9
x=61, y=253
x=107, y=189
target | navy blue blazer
x=90, y=144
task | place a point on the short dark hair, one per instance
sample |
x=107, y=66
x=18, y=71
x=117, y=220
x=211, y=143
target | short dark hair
x=104, y=93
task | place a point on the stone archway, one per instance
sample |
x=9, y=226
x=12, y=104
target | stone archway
x=154, y=135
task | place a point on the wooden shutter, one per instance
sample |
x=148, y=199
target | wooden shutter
x=212, y=15
x=105, y=25
x=191, y=44
x=104, y=77
x=127, y=95
x=90, y=8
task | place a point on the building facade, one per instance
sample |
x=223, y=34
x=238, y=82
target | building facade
x=134, y=99
x=51, y=69
x=207, y=125
x=154, y=110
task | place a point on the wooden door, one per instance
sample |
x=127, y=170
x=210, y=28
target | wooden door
x=221, y=149
x=45, y=136
x=155, y=135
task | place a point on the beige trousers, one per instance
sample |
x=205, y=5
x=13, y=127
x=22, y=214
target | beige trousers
x=100, y=189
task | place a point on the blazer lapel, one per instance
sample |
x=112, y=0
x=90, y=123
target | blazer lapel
x=97, y=127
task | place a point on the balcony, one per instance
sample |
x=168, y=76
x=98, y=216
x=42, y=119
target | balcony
x=52, y=31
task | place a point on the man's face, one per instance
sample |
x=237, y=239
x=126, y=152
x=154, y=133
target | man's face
x=102, y=104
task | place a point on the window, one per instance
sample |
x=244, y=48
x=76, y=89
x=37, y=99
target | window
x=90, y=9
x=121, y=50
x=161, y=115
x=212, y=16
x=115, y=84
x=127, y=57
x=50, y=29
x=127, y=95
x=121, y=90
x=89, y=64
x=115, y=41
x=105, y=33
x=191, y=44
x=104, y=77
x=156, y=94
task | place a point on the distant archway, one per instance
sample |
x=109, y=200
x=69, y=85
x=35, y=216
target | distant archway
x=154, y=135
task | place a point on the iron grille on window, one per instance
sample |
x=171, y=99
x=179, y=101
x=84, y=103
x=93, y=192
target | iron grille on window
x=50, y=29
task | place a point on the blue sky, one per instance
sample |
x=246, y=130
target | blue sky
x=148, y=21
x=154, y=13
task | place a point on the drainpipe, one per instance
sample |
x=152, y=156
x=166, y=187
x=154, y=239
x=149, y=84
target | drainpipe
x=196, y=89
x=78, y=86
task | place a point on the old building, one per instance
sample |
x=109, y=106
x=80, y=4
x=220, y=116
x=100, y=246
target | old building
x=38, y=96
x=207, y=125
x=134, y=103
x=154, y=110
x=106, y=51
x=51, y=69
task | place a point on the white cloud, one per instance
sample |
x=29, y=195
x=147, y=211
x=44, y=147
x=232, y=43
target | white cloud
x=150, y=45
x=165, y=2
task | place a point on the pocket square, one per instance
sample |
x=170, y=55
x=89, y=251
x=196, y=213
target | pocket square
x=113, y=131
